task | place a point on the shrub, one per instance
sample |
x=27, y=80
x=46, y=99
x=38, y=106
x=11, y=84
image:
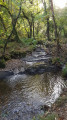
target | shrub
x=56, y=61
x=64, y=71
x=2, y=63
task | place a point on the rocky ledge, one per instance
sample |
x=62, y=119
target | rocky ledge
x=42, y=68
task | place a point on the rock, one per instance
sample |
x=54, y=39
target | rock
x=41, y=69
x=4, y=74
x=45, y=108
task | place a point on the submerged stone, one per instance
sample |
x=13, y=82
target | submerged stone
x=4, y=74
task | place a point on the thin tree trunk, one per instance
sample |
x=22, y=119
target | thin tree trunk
x=48, y=34
x=33, y=30
x=37, y=28
x=30, y=29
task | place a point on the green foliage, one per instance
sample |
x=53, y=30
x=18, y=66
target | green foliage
x=28, y=41
x=64, y=71
x=33, y=13
x=2, y=63
x=56, y=61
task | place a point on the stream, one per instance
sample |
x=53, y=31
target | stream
x=22, y=96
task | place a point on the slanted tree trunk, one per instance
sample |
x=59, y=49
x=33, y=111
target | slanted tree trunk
x=4, y=49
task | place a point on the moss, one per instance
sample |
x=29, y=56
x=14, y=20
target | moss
x=64, y=71
x=2, y=63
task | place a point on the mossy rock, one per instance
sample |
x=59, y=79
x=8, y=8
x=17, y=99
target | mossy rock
x=2, y=63
x=17, y=54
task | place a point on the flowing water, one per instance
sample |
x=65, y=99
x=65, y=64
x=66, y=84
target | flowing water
x=22, y=96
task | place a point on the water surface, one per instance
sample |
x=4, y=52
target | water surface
x=21, y=96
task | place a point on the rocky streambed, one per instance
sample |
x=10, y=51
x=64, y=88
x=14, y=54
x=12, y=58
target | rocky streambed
x=25, y=90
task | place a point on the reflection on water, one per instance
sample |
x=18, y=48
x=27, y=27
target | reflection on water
x=21, y=96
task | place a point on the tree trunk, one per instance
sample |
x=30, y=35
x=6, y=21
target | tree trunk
x=30, y=29
x=55, y=26
x=4, y=49
x=48, y=34
x=15, y=33
x=33, y=30
x=37, y=28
